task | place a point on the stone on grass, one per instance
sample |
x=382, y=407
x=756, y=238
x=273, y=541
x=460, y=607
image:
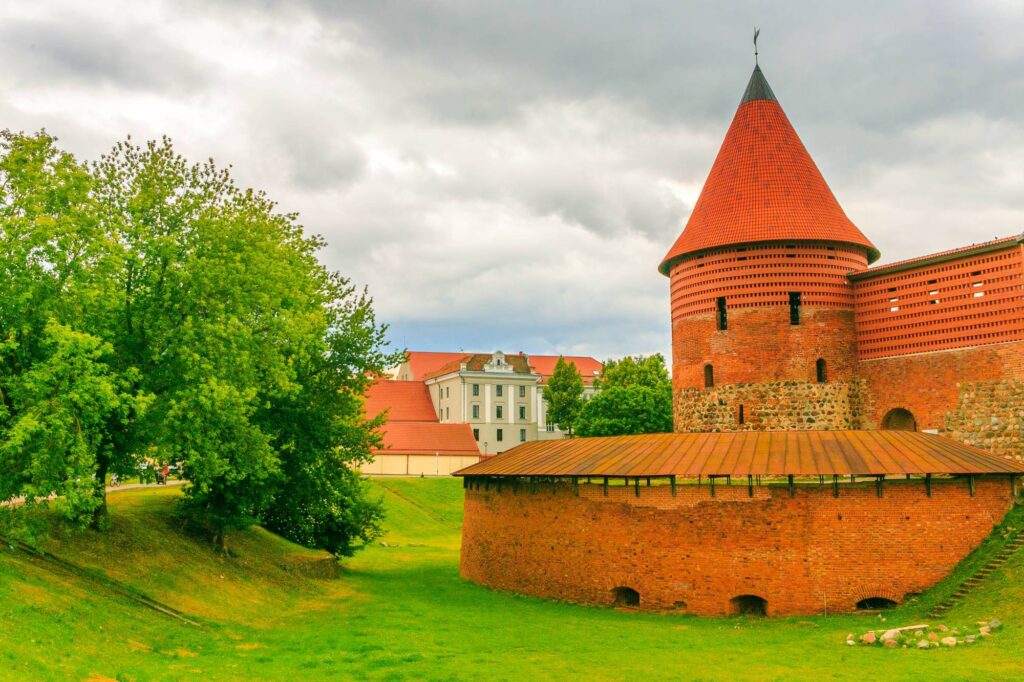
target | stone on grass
x=933, y=637
x=923, y=644
x=995, y=623
x=891, y=643
x=984, y=631
x=969, y=639
x=868, y=638
x=949, y=641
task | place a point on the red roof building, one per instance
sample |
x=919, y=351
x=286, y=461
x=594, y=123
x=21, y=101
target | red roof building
x=420, y=363
x=544, y=365
x=405, y=401
x=415, y=443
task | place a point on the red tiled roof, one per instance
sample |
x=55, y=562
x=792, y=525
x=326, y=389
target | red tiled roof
x=425, y=438
x=939, y=257
x=475, y=362
x=544, y=365
x=764, y=186
x=422, y=363
x=407, y=401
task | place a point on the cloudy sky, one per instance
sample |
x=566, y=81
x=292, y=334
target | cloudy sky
x=508, y=175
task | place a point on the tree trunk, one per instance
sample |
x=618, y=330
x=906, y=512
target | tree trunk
x=220, y=539
x=99, y=515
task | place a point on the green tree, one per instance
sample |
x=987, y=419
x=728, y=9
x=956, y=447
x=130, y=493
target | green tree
x=61, y=409
x=256, y=356
x=53, y=273
x=638, y=370
x=634, y=396
x=564, y=395
x=151, y=309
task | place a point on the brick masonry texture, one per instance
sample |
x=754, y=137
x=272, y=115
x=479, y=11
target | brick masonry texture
x=694, y=553
x=761, y=346
x=974, y=395
x=779, y=406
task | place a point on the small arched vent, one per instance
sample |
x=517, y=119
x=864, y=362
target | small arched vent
x=625, y=596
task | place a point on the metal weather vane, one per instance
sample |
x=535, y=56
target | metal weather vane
x=757, y=32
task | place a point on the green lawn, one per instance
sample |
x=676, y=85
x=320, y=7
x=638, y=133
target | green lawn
x=400, y=611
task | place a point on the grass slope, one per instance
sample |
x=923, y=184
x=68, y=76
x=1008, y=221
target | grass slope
x=400, y=611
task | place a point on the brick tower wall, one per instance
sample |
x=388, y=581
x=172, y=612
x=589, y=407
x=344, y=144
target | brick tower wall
x=761, y=361
x=944, y=339
x=695, y=553
x=975, y=395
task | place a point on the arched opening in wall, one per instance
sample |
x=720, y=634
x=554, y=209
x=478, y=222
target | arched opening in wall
x=709, y=376
x=898, y=419
x=875, y=604
x=821, y=369
x=749, y=605
x=625, y=596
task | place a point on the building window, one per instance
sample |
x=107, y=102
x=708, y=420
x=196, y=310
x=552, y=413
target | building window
x=499, y=411
x=550, y=427
x=522, y=435
x=499, y=390
x=446, y=415
x=741, y=417
x=822, y=370
x=476, y=434
x=447, y=392
x=522, y=391
x=500, y=436
x=709, y=376
x=476, y=412
x=794, y=307
x=476, y=390
x=723, y=322
x=522, y=411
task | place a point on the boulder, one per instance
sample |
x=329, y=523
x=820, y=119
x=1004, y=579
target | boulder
x=933, y=637
x=923, y=644
x=984, y=631
x=995, y=623
x=891, y=643
x=948, y=641
x=868, y=638
x=890, y=634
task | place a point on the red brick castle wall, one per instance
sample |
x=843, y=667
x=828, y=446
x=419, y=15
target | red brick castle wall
x=696, y=553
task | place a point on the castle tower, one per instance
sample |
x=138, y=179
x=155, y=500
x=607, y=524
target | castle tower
x=762, y=311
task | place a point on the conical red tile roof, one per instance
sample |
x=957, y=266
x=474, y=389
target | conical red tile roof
x=764, y=186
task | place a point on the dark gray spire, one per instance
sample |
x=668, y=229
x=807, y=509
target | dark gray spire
x=758, y=88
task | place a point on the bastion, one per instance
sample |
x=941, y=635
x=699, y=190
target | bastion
x=779, y=523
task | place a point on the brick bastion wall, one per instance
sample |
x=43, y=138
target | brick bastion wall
x=695, y=553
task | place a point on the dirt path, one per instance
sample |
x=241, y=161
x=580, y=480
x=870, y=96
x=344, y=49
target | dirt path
x=18, y=501
x=134, y=486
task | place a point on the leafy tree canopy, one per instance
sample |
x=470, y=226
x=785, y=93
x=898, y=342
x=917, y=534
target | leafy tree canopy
x=564, y=395
x=634, y=396
x=639, y=370
x=205, y=331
